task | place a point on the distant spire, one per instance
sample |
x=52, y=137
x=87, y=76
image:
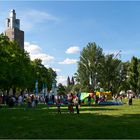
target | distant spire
x=72, y=81
x=68, y=81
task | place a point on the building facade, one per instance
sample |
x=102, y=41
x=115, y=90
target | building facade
x=13, y=29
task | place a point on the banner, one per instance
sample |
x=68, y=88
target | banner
x=36, y=87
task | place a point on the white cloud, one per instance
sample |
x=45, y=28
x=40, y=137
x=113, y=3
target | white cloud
x=73, y=49
x=39, y=16
x=47, y=66
x=44, y=57
x=62, y=80
x=57, y=70
x=32, y=17
x=69, y=61
x=32, y=48
x=36, y=52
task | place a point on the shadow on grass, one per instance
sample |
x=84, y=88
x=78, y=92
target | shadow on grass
x=40, y=123
x=95, y=126
x=87, y=108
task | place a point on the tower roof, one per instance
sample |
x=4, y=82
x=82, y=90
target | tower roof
x=12, y=10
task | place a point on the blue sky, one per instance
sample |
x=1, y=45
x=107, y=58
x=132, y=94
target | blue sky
x=57, y=31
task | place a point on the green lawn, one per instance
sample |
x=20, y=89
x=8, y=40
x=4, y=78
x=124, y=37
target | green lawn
x=121, y=121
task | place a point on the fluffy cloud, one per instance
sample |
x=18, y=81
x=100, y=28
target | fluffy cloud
x=69, y=61
x=47, y=66
x=62, y=80
x=44, y=57
x=36, y=52
x=73, y=49
x=32, y=48
x=57, y=70
x=32, y=17
x=39, y=16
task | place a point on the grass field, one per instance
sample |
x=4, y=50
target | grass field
x=122, y=121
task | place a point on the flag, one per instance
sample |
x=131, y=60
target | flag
x=36, y=87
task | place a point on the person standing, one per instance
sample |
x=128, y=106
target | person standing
x=76, y=104
x=28, y=101
x=89, y=100
x=130, y=100
x=20, y=100
x=58, y=104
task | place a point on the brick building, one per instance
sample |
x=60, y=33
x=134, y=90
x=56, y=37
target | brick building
x=13, y=29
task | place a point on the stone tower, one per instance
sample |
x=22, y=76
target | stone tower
x=13, y=29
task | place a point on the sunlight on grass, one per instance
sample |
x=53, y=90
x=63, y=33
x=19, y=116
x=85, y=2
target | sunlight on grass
x=95, y=121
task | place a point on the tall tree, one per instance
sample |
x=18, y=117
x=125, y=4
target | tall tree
x=18, y=71
x=95, y=67
x=133, y=74
x=90, y=60
x=14, y=63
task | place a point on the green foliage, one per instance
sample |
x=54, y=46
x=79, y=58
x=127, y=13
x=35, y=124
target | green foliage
x=133, y=74
x=90, y=60
x=95, y=67
x=61, y=89
x=18, y=71
x=14, y=63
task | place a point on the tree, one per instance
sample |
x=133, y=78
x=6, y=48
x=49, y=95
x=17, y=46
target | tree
x=61, y=89
x=95, y=67
x=133, y=74
x=43, y=75
x=17, y=71
x=15, y=65
x=110, y=73
x=90, y=60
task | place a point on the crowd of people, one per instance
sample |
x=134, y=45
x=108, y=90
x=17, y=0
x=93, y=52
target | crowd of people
x=20, y=100
x=32, y=100
x=71, y=100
